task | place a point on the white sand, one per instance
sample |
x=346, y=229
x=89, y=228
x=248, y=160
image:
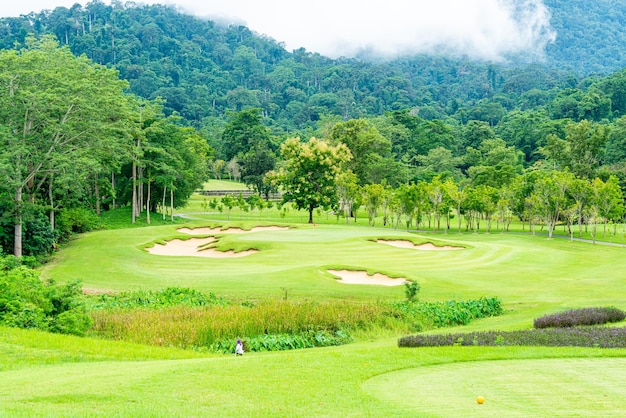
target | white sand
x=209, y=231
x=192, y=248
x=423, y=247
x=361, y=277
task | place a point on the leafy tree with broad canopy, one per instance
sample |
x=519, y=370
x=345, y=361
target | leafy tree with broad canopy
x=55, y=108
x=309, y=175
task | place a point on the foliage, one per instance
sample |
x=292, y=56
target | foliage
x=309, y=175
x=578, y=317
x=168, y=297
x=215, y=325
x=184, y=318
x=27, y=302
x=57, y=122
x=76, y=221
x=280, y=342
x=601, y=337
x=449, y=313
x=38, y=240
x=411, y=288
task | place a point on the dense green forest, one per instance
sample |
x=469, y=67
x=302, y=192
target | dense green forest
x=187, y=97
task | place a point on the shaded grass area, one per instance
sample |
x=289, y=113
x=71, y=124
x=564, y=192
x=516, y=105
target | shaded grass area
x=121, y=219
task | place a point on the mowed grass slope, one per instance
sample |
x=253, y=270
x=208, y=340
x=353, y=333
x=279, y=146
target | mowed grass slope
x=59, y=375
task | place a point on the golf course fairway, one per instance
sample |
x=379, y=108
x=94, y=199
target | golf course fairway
x=44, y=375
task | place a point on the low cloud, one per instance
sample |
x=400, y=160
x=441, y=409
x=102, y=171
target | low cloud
x=485, y=29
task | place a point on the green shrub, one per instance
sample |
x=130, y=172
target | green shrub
x=75, y=321
x=280, y=342
x=26, y=302
x=411, y=288
x=76, y=221
x=168, y=297
x=448, y=313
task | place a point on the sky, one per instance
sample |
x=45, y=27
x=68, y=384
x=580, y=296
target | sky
x=485, y=29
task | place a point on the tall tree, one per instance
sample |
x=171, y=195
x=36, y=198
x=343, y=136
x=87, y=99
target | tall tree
x=309, y=175
x=244, y=131
x=365, y=143
x=50, y=116
x=255, y=163
x=581, y=150
x=551, y=197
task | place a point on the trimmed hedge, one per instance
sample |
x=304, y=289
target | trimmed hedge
x=601, y=337
x=578, y=317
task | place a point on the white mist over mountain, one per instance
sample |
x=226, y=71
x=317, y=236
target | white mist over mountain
x=485, y=29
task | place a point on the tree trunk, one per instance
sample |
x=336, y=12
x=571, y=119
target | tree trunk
x=113, y=188
x=163, y=205
x=17, y=244
x=148, y=204
x=51, y=198
x=311, y=214
x=134, y=202
x=172, y=205
x=140, y=191
x=97, y=195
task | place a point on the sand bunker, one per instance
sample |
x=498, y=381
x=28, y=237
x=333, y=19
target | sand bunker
x=361, y=277
x=193, y=247
x=209, y=231
x=423, y=247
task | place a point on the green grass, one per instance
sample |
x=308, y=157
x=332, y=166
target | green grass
x=362, y=379
x=44, y=375
x=223, y=185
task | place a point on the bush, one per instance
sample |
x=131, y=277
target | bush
x=76, y=221
x=280, y=342
x=75, y=321
x=449, y=313
x=585, y=316
x=39, y=238
x=171, y=296
x=26, y=302
x=411, y=287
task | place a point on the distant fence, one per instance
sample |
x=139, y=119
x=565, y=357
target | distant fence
x=243, y=193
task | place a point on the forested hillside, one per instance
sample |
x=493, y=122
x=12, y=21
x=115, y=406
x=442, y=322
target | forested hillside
x=591, y=35
x=202, y=69
x=202, y=97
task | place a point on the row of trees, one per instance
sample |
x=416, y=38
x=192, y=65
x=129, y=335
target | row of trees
x=71, y=137
x=316, y=174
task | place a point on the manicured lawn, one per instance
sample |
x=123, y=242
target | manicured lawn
x=52, y=375
x=362, y=379
x=223, y=185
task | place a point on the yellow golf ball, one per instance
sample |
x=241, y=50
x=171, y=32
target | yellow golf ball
x=480, y=400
